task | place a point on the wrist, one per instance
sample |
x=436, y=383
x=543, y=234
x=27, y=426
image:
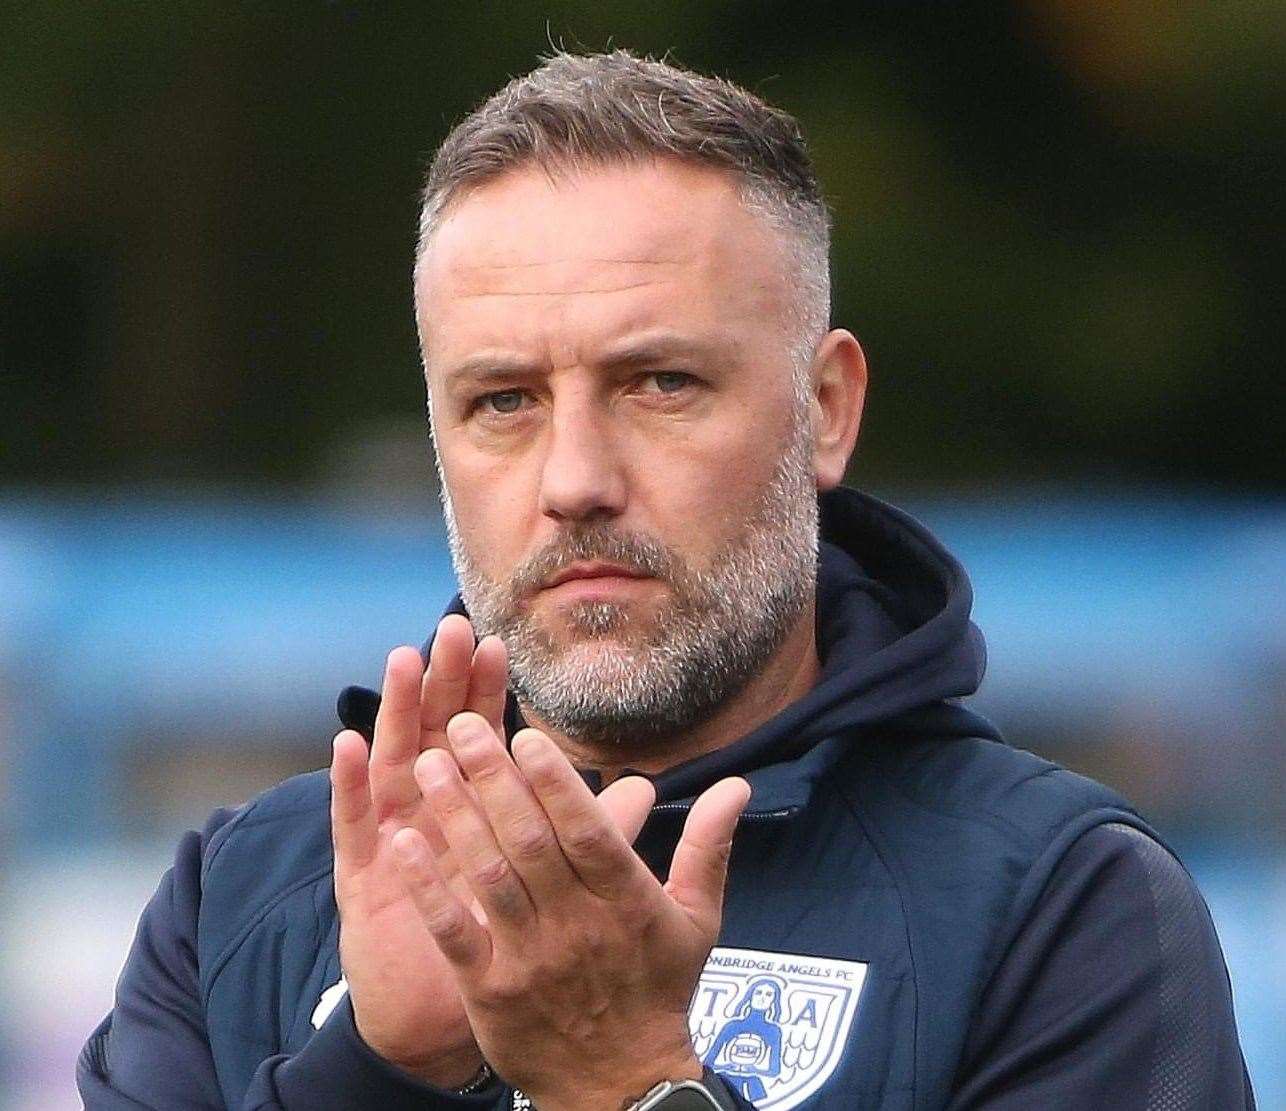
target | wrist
x=451, y=1070
x=451, y=1067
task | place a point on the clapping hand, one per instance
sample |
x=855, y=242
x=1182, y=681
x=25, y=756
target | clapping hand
x=574, y=966
x=406, y=1002
x=404, y=998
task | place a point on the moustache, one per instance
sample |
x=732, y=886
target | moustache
x=635, y=552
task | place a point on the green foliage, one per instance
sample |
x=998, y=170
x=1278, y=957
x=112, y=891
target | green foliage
x=1056, y=237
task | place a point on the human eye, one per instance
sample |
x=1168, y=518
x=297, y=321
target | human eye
x=667, y=381
x=501, y=402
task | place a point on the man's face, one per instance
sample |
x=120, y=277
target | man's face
x=625, y=453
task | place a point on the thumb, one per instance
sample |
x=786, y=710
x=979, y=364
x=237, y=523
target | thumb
x=628, y=801
x=700, y=864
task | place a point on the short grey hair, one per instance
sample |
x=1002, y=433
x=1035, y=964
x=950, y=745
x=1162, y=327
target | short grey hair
x=578, y=110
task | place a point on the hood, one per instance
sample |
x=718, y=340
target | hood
x=894, y=639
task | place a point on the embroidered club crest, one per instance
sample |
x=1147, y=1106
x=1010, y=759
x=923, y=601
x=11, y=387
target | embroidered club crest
x=774, y=1025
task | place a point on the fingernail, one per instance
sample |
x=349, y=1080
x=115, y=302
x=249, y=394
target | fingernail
x=526, y=745
x=435, y=765
x=466, y=730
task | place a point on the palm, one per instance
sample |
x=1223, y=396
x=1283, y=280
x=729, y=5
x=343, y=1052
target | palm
x=392, y=963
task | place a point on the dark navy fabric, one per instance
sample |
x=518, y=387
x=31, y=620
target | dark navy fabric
x=1115, y=991
x=1028, y=940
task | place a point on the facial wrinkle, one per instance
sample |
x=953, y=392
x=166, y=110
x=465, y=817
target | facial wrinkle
x=559, y=292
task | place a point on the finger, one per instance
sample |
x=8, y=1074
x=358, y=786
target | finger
x=458, y=934
x=426, y=824
x=446, y=682
x=354, y=830
x=474, y=849
x=699, y=868
x=594, y=847
x=521, y=827
x=628, y=803
x=397, y=735
x=489, y=682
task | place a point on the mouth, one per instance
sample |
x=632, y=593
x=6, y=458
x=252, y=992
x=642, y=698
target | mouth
x=590, y=572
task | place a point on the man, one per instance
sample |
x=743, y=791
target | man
x=843, y=890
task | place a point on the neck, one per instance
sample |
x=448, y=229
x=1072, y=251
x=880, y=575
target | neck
x=788, y=675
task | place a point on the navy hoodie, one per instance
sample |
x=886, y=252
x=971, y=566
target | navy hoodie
x=918, y=916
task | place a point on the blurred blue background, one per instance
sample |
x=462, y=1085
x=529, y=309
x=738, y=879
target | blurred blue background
x=1058, y=235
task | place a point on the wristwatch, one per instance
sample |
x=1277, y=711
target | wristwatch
x=706, y=1094
x=480, y=1081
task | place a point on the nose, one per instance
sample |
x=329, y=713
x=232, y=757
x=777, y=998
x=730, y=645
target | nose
x=583, y=475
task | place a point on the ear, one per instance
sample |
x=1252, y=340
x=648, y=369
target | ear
x=838, y=375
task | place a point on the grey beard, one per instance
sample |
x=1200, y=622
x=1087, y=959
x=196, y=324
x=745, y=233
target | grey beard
x=613, y=685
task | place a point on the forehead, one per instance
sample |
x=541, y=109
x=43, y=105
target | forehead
x=579, y=259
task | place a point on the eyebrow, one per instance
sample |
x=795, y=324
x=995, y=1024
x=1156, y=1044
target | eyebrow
x=488, y=367
x=633, y=351
x=654, y=347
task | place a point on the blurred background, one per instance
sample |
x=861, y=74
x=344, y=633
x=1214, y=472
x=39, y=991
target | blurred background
x=1059, y=235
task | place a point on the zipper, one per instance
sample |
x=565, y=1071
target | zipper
x=749, y=816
